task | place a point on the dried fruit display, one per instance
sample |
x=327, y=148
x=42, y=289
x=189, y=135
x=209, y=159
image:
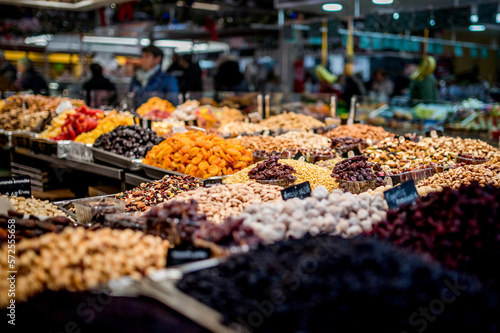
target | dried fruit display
x=199, y=155
x=291, y=121
x=458, y=228
x=156, y=108
x=293, y=285
x=71, y=123
x=130, y=141
x=271, y=169
x=110, y=121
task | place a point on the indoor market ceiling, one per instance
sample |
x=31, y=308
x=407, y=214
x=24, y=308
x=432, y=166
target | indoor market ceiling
x=74, y=5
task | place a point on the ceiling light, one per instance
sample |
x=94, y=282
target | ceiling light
x=205, y=6
x=477, y=27
x=382, y=2
x=474, y=18
x=395, y=16
x=432, y=22
x=497, y=19
x=110, y=40
x=332, y=7
x=145, y=42
x=41, y=40
x=173, y=43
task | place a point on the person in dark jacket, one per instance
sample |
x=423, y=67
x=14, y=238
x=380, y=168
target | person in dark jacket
x=229, y=77
x=150, y=80
x=99, y=82
x=29, y=78
x=8, y=73
x=191, y=79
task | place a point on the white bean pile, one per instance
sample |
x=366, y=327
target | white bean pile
x=336, y=213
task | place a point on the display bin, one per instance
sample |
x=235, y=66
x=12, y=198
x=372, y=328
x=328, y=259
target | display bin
x=92, y=210
x=116, y=159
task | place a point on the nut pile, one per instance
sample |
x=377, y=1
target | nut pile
x=199, y=155
x=289, y=140
x=77, y=259
x=271, y=169
x=337, y=213
x=314, y=174
x=291, y=121
x=221, y=201
x=346, y=141
x=142, y=197
x=360, y=131
x=237, y=127
x=458, y=228
x=34, y=206
x=482, y=173
x=293, y=285
x=130, y=141
x=32, y=226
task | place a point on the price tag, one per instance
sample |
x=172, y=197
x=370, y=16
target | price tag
x=178, y=129
x=266, y=133
x=406, y=193
x=179, y=256
x=255, y=117
x=351, y=153
x=369, y=142
x=388, y=180
x=402, y=139
x=212, y=181
x=19, y=186
x=434, y=134
x=301, y=191
x=299, y=157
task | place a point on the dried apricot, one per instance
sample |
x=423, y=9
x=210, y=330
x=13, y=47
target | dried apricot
x=213, y=170
x=203, y=165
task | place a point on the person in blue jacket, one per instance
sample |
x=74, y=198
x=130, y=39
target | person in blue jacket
x=151, y=81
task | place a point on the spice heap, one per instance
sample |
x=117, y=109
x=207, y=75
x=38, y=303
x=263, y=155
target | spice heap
x=111, y=121
x=221, y=201
x=314, y=174
x=199, y=155
x=271, y=169
x=71, y=123
x=26, y=112
x=336, y=213
x=293, y=285
x=458, y=228
x=129, y=141
x=32, y=226
x=360, y=131
x=291, y=121
x=150, y=194
x=358, y=169
x=79, y=259
x=175, y=221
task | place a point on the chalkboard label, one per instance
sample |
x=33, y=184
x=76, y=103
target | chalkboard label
x=179, y=256
x=299, y=157
x=402, y=194
x=212, y=181
x=19, y=186
x=302, y=190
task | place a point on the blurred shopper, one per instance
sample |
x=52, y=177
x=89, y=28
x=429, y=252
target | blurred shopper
x=191, y=78
x=99, y=82
x=381, y=86
x=151, y=79
x=229, y=77
x=8, y=73
x=175, y=68
x=29, y=79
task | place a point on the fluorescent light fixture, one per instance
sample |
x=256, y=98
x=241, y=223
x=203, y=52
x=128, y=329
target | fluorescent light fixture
x=200, y=47
x=474, y=18
x=395, y=16
x=497, y=18
x=382, y=2
x=205, y=6
x=40, y=40
x=173, y=43
x=332, y=7
x=110, y=40
x=145, y=42
x=477, y=27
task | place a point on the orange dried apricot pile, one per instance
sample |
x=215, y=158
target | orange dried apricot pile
x=200, y=155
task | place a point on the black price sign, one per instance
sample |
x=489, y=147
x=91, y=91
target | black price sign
x=301, y=191
x=191, y=122
x=19, y=186
x=180, y=256
x=212, y=181
x=402, y=194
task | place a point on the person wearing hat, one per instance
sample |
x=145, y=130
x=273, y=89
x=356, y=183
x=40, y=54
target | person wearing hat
x=30, y=79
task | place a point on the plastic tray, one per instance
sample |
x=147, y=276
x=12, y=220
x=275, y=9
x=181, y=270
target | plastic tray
x=134, y=221
x=477, y=160
x=158, y=173
x=116, y=159
x=417, y=175
x=91, y=210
